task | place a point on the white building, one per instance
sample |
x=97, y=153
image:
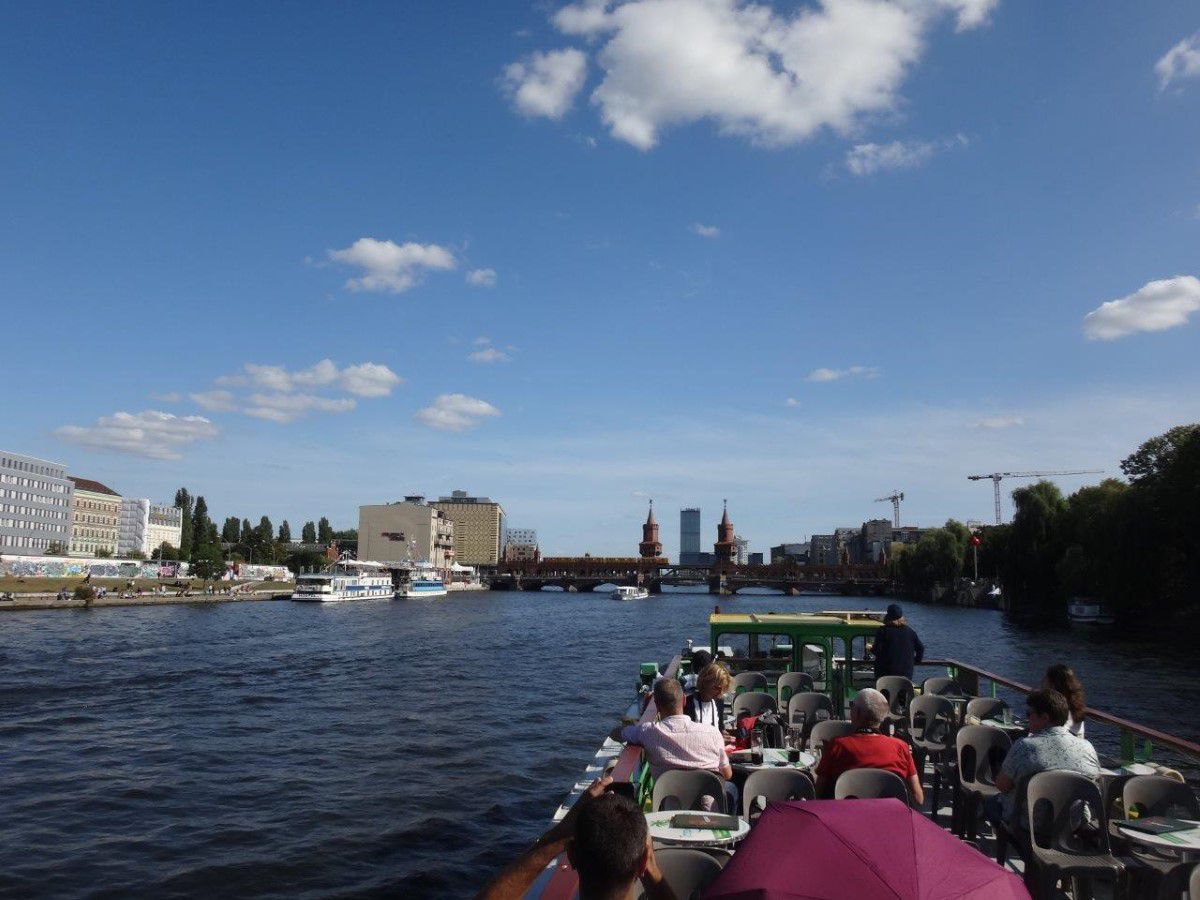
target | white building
x=741, y=549
x=143, y=526
x=35, y=504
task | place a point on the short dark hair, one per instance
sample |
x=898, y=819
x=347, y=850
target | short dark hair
x=1049, y=703
x=667, y=693
x=700, y=660
x=610, y=841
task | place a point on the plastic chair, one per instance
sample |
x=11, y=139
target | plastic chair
x=981, y=751
x=869, y=784
x=898, y=690
x=792, y=683
x=688, y=872
x=1063, y=844
x=749, y=681
x=824, y=732
x=931, y=727
x=942, y=686
x=685, y=788
x=1194, y=882
x=1161, y=873
x=774, y=784
x=986, y=707
x=807, y=709
x=754, y=703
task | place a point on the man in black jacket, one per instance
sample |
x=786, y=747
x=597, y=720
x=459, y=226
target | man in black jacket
x=897, y=648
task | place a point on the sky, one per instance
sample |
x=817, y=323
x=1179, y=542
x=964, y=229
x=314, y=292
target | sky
x=798, y=255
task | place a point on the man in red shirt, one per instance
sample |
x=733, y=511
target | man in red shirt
x=867, y=748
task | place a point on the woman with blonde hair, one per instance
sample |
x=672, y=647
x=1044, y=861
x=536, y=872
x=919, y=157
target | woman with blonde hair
x=705, y=704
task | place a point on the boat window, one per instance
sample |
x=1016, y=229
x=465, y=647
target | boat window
x=814, y=659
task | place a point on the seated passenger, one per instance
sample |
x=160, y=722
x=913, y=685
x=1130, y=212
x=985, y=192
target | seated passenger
x=1050, y=746
x=1062, y=678
x=700, y=661
x=705, y=705
x=675, y=741
x=868, y=749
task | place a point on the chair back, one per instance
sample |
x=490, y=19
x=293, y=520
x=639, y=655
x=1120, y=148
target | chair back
x=808, y=708
x=754, y=703
x=898, y=690
x=687, y=871
x=869, y=784
x=765, y=785
x=686, y=788
x=793, y=683
x=931, y=722
x=942, y=686
x=981, y=752
x=1065, y=812
x=986, y=707
x=1155, y=795
x=1194, y=881
x=749, y=681
x=824, y=732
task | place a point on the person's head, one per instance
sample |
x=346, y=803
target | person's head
x=713, y=682
x=609, y=850
x=700, y=661
x=868, y=709
x=1045, y=709
x=668, y=697
x=894, y=615
x=1061, y=678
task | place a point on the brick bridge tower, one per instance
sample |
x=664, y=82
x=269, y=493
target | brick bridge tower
x=650, y=547
x=725, y=547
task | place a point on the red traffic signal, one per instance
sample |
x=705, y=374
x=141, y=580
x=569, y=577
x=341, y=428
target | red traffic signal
x=975, y=541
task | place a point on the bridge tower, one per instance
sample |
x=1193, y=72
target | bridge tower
x=650, y=547
x=725, y=547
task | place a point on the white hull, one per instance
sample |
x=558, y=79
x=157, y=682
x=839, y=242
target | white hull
x=340, y=596
x=629, y=594
x=405, y=594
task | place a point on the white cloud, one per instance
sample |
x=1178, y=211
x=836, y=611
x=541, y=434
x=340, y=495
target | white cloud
x=456, y=412
x=1181, y=61
x=489, y=355
x=482, y=277
x=1156, y=306
x=997, y=422
x=867, y=159
x=365, y=380
x=369, y=380
x=482, y=341
x=323, y=373
x=775, y=76
x=820, y=375
x=791, y=401
x=391, y=267
x=284, y=408
x=152, y=434
x=170, y=397
x=545, y=84
x=215, y=401
x=708, y=231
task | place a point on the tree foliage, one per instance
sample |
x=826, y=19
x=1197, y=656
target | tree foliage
x=231, y=531
x=308, y=534
x=285, y=532
x=324, y=531
x=184, y=501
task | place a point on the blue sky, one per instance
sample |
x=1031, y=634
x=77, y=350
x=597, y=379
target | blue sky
x=796, y=255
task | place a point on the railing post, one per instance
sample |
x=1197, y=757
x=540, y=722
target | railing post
x=1127, y=753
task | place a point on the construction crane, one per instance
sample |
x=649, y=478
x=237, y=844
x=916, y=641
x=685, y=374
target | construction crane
x=895, y=497
x=997, y=477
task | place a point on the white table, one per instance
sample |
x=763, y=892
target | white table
x=1186, y=843
x=659, y=824
x=773, y=758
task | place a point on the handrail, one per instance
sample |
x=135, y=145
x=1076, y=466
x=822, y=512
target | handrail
x=564, y=883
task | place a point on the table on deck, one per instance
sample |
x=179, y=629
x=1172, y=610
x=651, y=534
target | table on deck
x=773, y=758
x=1186, y=843
x=659, y=824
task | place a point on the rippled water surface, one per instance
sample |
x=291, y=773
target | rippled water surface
x=272, y=749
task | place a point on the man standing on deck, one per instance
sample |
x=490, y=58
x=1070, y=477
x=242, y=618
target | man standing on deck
x=896, y=646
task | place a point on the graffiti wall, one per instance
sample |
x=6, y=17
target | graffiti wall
x=72, y=567
x=259, y=573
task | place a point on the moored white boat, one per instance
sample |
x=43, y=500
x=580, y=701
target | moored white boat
x=347, y=579
x=1088, y=612
x=629, y=593
x=422, y=582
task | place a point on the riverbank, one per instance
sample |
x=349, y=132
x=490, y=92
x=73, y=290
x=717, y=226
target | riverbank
x=52, y=601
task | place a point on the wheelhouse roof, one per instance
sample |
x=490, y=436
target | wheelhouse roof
x=848, y=624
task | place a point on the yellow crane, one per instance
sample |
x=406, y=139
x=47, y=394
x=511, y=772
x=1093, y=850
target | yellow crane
x=997, y=477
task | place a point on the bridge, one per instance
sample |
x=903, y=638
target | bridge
x=588, y=573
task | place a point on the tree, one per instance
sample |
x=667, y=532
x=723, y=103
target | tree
x=1030, y=571
x=247, y=535
x=350, y=535
x=285, y=532
x=1159, y=453
x=231, y=531
x=56, y=548
x=135, y=554
x=165, y=551
x=201, y=526
x=324, y=531
x=930, y=568
x=265, y=533
x=183, y=500
x=208, y=562
x=305, y=560
x=104, y=553
x=308, y=534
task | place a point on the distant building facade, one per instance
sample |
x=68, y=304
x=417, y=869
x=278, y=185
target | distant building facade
x=689, y=536
x=724, y=548
x=741, y=549
x=165, y=526
x=793, y=553
x=143, y=527
x=520, y=545
x=95, y=518
x=822, y=550
x=478, y=527
x=907, y=534
x=409, y=530
x=650, y=546
x=35, y=504
x=754, y=559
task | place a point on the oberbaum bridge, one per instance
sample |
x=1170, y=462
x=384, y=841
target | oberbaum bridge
x=650, y=569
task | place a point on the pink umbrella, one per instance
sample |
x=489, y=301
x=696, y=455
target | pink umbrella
x=860, y=849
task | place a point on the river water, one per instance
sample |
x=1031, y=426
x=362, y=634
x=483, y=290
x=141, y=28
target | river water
x=275, y=749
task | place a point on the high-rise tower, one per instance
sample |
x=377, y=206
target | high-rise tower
x=650, y=547
x=726, y=546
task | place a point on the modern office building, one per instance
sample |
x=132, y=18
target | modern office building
x=795, y=553
x=689, y=537
x=520, y=545
x=95, y=518
x=741, y=548
x=409, y=530
x=754, y=559
x=520, y=536
x=143, y=526
x=822, y=551
x=478, y=528
x=35, y=505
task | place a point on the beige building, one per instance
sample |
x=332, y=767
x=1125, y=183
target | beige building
x=478, y=527
x=95, y=518
x=408, y=530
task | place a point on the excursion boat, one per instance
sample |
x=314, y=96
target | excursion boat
x=629, y=593
x=1089, y=613
x=346, y=579
x=830, y=648
x=421, y=582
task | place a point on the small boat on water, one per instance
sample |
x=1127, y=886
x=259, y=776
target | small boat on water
x=629, y=593
x=1089, y=613
x=421, y=582
x=347, y=579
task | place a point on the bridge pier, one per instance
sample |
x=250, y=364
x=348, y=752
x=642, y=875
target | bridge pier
x=718, y=585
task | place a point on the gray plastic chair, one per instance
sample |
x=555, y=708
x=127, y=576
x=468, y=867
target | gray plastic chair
x=807, y=709
x=986, y=707
x=981, y=751
x=870, y=784
x=754, y=703
x=792, y=683
x=774, y=784
x=931, y=728
x=1063, y=845
x=943, y=686
x=1162, y=873
x=684, y=788
x=1194, y=883
x=898, y=690
x=824, y=732
x=749, y=681
x=688, y=872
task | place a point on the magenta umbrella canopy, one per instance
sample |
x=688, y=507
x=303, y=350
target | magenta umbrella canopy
x=859, y=849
